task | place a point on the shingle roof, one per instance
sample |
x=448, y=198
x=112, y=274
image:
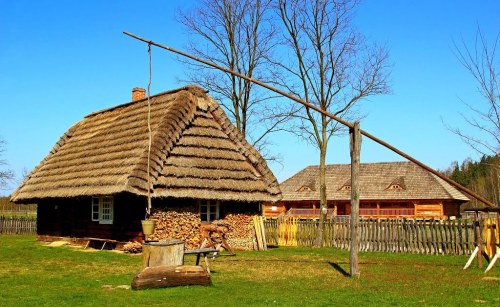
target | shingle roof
x=375, y=181
x=196, y=153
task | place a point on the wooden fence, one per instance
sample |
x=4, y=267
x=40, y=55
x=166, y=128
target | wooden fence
x=390, y=235
x=17, y=225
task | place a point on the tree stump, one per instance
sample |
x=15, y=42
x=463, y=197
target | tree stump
x=171, y=276
x=169, y=252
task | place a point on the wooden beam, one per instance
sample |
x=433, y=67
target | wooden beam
x=317, y=109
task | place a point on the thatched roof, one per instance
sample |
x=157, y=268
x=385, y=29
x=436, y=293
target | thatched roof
x=378, y=181
x=196, y=153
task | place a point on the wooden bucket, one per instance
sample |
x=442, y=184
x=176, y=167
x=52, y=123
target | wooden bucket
x=148, y=226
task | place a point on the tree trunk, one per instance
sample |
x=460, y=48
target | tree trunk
x=171, y=276
x=318, y=242
x=169, y=252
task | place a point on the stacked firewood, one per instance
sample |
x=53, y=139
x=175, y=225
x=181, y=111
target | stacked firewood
x=240, y=231
x=177, y=225
x=132, y=247
x=182, y=224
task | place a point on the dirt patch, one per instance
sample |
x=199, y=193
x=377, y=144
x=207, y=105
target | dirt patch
x=490, y=278
x=58, y=243
x=111, y=287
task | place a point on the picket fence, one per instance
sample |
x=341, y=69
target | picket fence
x=385, y=235
x=17, y=225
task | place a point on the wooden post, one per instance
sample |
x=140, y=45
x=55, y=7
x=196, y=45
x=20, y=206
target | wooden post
x=355, y=146
x=479, y=241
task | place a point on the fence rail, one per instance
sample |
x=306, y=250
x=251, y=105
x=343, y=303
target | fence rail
x=17, y=225
x=390, y=235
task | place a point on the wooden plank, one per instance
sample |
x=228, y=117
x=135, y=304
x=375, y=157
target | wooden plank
x=471, y=258
x=479, y=241
x=263, y=232
x=492, y=262
x=461, y=249
x=420, y=237
x=258, y=233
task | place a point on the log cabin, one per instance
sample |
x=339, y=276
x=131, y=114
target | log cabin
x=93, y=183
x=387, y=190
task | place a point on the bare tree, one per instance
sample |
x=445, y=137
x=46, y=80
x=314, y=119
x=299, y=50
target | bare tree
x=6, y=175
x=330, y=65
x=239, y=35
x=482, y=62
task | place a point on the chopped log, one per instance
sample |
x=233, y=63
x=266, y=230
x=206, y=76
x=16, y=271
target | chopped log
x=168, y=252
x=171, y=276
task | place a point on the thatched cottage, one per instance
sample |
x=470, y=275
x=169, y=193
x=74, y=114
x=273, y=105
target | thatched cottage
x=93, y=183
x=387, y=190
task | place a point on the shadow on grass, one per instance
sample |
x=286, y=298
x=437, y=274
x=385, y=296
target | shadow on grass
x=339, y=269
x=335, y=265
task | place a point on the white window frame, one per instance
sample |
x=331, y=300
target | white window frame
x=209, y=208
x=102, y=209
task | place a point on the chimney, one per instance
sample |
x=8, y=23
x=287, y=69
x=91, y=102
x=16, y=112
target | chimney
x=138, y=93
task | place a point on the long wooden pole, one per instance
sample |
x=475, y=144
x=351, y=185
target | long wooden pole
x=341, y=121
x=355, y=146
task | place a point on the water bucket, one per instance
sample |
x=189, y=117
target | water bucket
x=148, y=226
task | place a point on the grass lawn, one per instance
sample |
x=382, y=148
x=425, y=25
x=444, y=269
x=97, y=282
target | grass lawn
x=33, y=274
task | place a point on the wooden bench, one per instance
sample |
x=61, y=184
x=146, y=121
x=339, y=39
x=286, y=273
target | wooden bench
x=103, y=241
x=199, y=252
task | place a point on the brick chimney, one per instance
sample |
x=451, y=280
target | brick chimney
x=138, y=93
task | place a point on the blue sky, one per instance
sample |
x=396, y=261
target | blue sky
x=61, y=60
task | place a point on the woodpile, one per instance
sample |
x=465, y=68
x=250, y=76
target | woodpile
x=240, y=231
x=177, y=225
x=132, y=248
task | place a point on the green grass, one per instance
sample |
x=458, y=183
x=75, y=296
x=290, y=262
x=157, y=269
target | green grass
x=32, y=274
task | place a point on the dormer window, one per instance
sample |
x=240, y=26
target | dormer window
x=397, y=184
x=394, y=187
x=305, y=189
x=346, y=186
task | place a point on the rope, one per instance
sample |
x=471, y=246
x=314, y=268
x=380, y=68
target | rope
x=148, y=209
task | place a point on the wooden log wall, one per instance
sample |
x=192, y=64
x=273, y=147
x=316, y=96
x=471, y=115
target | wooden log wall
x=437, y=237
x=17, y=225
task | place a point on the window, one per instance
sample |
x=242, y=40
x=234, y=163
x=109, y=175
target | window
x=209, y=210
x=102, y=209
x=305, y=189
x=397, y=184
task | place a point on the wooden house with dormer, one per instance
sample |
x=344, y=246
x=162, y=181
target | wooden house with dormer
x=387, y=190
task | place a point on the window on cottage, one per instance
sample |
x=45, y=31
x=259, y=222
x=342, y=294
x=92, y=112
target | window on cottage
x=102, y=209
x=305, y=189
x=209, y=210
x=395, y=186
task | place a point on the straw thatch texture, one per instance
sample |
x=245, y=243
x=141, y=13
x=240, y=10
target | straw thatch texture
x=196, y=153
x=376, y=180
